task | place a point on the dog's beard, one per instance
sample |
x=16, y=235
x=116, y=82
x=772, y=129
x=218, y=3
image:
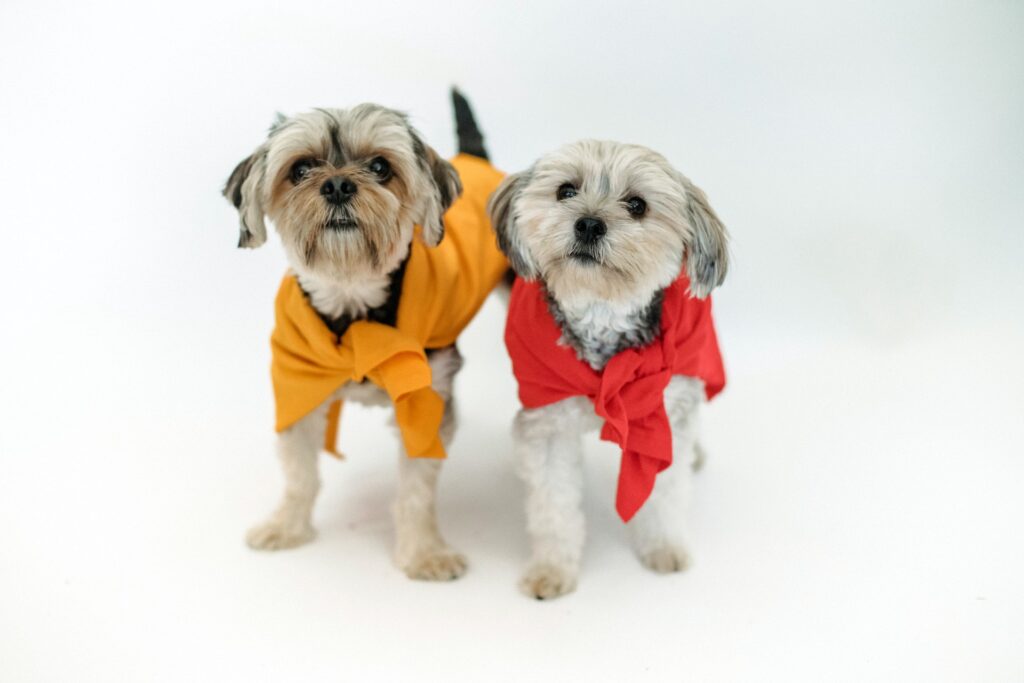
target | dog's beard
x=340, y=220
x=352, y=238
x=611, y=270
x=587, y=274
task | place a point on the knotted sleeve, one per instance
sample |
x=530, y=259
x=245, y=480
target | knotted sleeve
x=398, y=364
x=631, y=401
x=309, y=365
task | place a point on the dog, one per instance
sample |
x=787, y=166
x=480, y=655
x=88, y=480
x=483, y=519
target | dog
x=387, y=265
x=615, y=252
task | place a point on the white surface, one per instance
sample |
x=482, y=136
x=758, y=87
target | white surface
x=859, y=517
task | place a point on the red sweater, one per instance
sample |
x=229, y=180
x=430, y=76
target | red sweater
x=629, y=392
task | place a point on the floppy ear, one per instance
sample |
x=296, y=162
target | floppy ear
x=707, y=253
x=244, y=189
x=445, y=189
x=502, y=208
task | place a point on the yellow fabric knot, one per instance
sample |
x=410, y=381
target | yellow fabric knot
x=442, y=290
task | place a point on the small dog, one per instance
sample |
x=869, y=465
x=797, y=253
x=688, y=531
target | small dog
x=612, y=247
x=372, y=305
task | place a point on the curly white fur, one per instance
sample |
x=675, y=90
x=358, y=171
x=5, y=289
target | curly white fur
x=550, y=461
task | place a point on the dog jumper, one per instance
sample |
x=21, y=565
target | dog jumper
x=443, y=288
x=629, y=392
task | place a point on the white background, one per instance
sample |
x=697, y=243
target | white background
x=860, y=514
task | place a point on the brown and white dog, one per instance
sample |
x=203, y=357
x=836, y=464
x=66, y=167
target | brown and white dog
x=344, y=189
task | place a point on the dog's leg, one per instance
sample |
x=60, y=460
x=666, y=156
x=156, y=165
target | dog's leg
x=658, y=530
x=420, y=550
x=299, y=450
x=549, y=459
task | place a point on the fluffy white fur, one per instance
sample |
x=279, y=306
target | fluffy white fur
x=550, y=461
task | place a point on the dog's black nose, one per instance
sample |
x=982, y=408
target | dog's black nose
x=338, y=190
x=590, y=230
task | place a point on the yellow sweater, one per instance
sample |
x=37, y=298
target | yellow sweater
x=443, y=288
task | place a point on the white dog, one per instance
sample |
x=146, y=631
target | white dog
x=612, y=246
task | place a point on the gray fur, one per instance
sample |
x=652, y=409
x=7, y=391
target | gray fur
x=501, y=207
x=447, y=188
x=242, y=190
x=707, y=257
x=596, y=345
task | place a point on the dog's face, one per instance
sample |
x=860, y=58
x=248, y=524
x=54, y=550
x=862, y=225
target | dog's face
x=344, y=188
x=607, y=221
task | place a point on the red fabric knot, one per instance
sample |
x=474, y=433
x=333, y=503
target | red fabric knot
x=628, y=394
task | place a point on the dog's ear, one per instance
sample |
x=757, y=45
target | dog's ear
x=444, y=188
x=707, y=252
x=502, y=208
x=244, y=189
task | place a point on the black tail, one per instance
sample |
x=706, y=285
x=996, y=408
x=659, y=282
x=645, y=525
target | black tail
x=471, y=140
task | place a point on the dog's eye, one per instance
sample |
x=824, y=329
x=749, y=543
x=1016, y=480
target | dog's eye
x=566, y=191
x=381, y=168
x=301, y=169
x=636, y=207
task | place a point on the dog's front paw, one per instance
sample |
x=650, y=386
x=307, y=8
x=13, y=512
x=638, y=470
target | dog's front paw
x=547, y=581
x=666, y=559
x=437, y=564
x=276, y=535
